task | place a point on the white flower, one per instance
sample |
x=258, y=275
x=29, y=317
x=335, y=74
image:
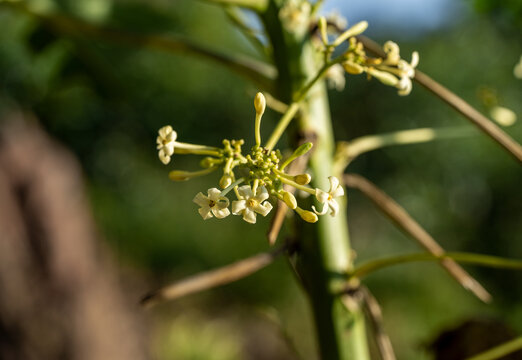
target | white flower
x=327, y=198
x=214, y=203
x=335, y=77
x=166, y=140
x=407, y=73
x=251, y=204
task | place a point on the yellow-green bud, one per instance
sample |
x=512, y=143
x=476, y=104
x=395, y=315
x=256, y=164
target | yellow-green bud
x=303, y=179
x=225, y=181
x=353, y=68
x=384, y=77
x=260, y=103
x=289, y=200
x=179, y=175
x=306, y=215
x=303, y=149
x=323, y=29
x=355, y=30
x=207, y=162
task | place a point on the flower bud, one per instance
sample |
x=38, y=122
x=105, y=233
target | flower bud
x=260, y=103
x=355, y=30
x=289, y=200
x=179, y=175
x=306, y=215
x=353, y=68
x=225, y=181
x=384, y=77
x=303, y=179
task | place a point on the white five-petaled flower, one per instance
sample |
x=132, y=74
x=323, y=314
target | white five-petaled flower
x=213, y=204
x=328, y=198
x=251, y=204
x=166, y=140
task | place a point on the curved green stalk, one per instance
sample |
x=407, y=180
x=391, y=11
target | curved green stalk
x=500, y=351
x=461, y=257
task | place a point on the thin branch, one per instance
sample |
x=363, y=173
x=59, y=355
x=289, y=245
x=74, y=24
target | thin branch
x=411, y=227
x=500, y=351
x=374, y=313
x=482, y=122
x=462, y=257
x=259, y=72
x=349, y=150
x=213, y=278
x=256, y=5
x=298, y=166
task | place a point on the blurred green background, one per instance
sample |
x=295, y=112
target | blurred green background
x=106, y=101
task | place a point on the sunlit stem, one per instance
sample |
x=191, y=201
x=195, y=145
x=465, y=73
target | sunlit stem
x=184, y=148
x=498, y=352
x=255, y=185
x=182, y=175
x=469, y=258
x=350, y=150
x=297, y=186
x=301, y=150
x=232, y=186
x=258, y=129
x=294, y=107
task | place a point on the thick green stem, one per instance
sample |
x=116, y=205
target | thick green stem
x=325, y=248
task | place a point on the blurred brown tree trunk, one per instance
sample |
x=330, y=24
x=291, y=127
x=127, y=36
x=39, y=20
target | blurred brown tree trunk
x=59, y=294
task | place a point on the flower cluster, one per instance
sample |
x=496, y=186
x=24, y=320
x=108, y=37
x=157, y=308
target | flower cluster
x=391, y=70
x=254, y=177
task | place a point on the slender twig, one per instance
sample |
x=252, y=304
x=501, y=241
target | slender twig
x=298, y=166
x=374, y=313
x=213, y=278
x=404, y=221
x=349, y=150
x=482, y=122
x=500, y=351
x=257, y=71
x=462, y=257
x=256, y=5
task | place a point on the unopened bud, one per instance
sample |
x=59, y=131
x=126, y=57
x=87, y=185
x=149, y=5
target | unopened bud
x=225, y=181
x=384, y=77
x=303, y=179
x=260, y=103
x=355, y=30
x=306, y=215
x=179, y=175
x=352, y=68
x=289, y=200
x=323, y=29
x=207, y=162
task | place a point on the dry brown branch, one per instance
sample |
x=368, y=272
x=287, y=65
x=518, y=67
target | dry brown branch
x=213, y=278
x=374, y=313
x=482, y=122
x=411, y=227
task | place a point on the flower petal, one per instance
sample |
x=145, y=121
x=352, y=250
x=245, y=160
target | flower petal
x=205, y=212
x=249, y=216
x=334, y=206
x=337, y=192
x=322, y=212
x=201, y=199
x=262, y=194
x=213, y=194
x=238, y=206
x=263, y=209
x=245, y=191
x=321, y=195
x=165, y=159
x=220, y=213
x=334, y=183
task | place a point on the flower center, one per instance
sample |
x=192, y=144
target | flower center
x=251, y=203
x=211, y=203
x=330, y=197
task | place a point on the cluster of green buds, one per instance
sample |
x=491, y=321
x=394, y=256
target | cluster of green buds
x=254, y=178
x=390, y=70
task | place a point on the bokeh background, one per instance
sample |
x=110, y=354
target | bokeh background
x=104, y=102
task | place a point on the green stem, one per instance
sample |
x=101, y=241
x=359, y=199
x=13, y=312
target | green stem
x=256, y=5
x=325, y=247
x=461, y=257
x=499, y=351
